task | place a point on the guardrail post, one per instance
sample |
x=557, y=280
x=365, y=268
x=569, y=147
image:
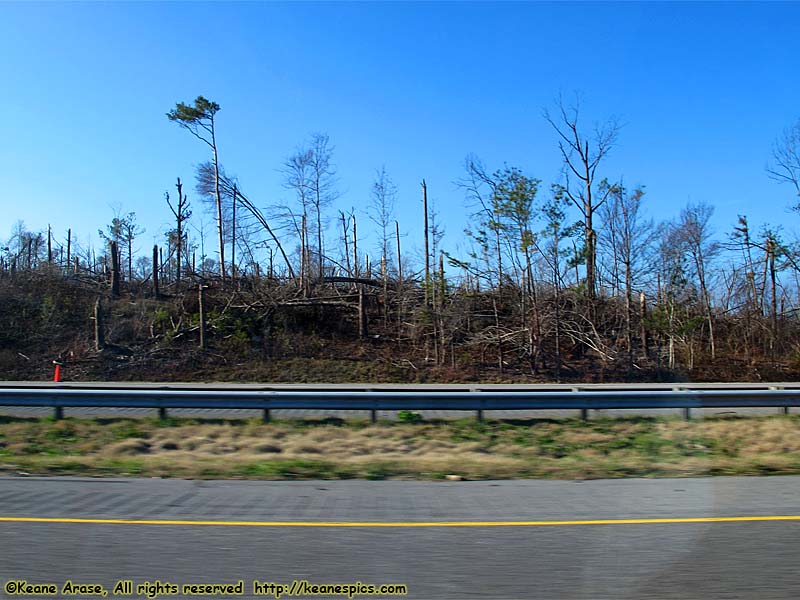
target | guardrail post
x=373, y=413
x=58, y=413
x=584, y=411
x=265, y=416
x=479, y=412
x=162, y=413
x=685, y=411
x=784, y=409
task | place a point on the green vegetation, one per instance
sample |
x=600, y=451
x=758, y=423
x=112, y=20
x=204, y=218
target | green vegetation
x=409, y=416
x=338, y=449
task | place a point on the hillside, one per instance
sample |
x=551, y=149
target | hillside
x=262, y=330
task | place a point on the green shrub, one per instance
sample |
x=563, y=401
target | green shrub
x=409, y=416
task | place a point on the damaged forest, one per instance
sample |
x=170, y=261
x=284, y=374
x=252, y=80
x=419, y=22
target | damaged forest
x=561, y=281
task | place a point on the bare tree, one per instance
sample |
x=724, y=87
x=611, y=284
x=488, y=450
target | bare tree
x=130, y=229
x=182, y=213
x=776, y=257
x=627, y=236
x=488, y=224
x=785, y=167
x=694, y=231
x=582, y=153
x=426, y=233
x=381, y=209
x=230, y=188
x=24, y=246
x=322, y=187
x=674, y=290
x=297, y=177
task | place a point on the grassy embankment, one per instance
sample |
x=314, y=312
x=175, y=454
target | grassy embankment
x=640, y=447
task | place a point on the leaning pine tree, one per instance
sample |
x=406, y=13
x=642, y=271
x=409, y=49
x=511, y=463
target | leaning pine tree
x=199, y=121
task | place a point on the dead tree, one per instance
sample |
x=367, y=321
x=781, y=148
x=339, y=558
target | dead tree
x=182, y=213
x=156, y=291
x=346, y=243
x=582, y=156
x=381, y=209
x=355, y=247
x=99, y=336
x=626, y=238
x=202, y=315
x=128, y=232
x=773, y=285
x=427, y=248
x=363, y=323
x=322, y=188
x=206, y=182
x=233, y=232
x=643, y=323
x=114, y=251
x=785, y=167
x=694, y=231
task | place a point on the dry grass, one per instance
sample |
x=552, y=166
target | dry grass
x=296, y=449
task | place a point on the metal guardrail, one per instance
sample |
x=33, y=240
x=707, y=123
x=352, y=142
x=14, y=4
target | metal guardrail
x=373, y=401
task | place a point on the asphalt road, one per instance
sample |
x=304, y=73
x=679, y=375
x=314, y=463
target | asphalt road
x=499, y=540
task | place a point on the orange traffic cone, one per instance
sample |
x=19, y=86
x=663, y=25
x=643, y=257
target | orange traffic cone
x=57, y=374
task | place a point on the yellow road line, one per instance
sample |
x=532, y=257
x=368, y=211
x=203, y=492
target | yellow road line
x=744, y=519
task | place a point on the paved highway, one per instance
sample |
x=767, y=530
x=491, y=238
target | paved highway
x=668, y=538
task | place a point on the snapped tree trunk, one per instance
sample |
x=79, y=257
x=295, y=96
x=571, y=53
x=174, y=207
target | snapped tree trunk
x=363, y=324
x=179, y=227
x=427, y=249
x=774, y=312
x=399, y=280
x=233, y=235
x=356, y=269
x=130, y=259
x=156, y=291
x=385, y=277
x=346, y=245
x=202, y=315
x=591, y=244
x=628, y=313
x=99, y=336
x=643, y=323
x=303, y=257
x=114, y=269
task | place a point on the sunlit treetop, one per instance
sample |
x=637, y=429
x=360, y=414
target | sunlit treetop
x=194, y=118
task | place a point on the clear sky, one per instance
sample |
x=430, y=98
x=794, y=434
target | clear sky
x=703, y=90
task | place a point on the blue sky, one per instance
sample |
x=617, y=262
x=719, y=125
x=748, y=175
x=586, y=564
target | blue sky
x=703, y=90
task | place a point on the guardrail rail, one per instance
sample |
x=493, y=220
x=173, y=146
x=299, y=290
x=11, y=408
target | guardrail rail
x=373, y=400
